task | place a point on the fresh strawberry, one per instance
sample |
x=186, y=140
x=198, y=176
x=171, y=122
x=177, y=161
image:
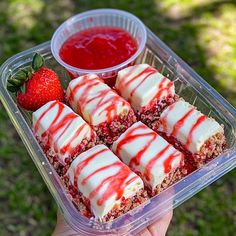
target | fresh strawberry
x=36, y=85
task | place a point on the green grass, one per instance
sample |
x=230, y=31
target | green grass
x=201, y=32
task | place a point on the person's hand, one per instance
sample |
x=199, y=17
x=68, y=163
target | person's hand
x=159, y=228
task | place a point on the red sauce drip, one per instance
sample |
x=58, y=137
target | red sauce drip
x=109, y=103
x=98, y=48
x=127, y=82
x=85, y=180
x=89, y=84
x=180, y=122
x=36, y=126
x=116, y=183
x=163, y=119
x=137, y=158
x=163, y=87
x=63, y=125
x=67, y=147
x=193, y=128
x=84, y=163
x=153, y=160
x=128, y=79
x=130, y=136
x=147, y=72
x=169, y=160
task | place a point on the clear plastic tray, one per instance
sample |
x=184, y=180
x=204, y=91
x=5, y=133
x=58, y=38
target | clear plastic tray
x=188, y=85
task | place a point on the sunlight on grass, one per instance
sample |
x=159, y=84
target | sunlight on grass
x=210, y=32
x=180, y=8
x=217, y=37
x=23, y=13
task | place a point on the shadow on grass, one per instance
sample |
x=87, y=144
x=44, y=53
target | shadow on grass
x=27, y=206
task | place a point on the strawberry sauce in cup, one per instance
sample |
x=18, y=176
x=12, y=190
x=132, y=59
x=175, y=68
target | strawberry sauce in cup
x=101, y=41
x=98, y=48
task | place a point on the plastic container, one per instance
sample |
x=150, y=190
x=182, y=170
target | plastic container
x=188, y=84
x=100, y=17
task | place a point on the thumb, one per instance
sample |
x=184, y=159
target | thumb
x=160, y=227
x=62, y=228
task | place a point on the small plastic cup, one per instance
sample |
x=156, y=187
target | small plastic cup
x=93, y=18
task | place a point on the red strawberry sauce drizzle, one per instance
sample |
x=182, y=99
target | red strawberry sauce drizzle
x=67, y=147
x=164, y=118
x=63, y=125
x=116, y=183
x=83, y=164
x=109, y=103
x=36, y=126
x=162, y=87
x=168, y=161
x=152, y=162
x=146, y=72
x=126, y=82
x=193, y=128
x=135, y=160
x=180, y=123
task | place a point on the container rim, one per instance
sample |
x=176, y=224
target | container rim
x=91, y=13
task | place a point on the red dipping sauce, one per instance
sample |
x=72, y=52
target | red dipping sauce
x=98, y=48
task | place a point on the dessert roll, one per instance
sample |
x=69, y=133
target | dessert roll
x=107, y=187
x=148, y=91
x=156, y=161
x=62, y=133
x=200, y=137
x=108, y=113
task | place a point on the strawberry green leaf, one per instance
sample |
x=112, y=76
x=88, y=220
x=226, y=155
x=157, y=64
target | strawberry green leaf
x=20, y=75
x=15, y=82
x=18, y=80
x=22, y=88
x=12, y=88
x=37, y=62
x=28, y=73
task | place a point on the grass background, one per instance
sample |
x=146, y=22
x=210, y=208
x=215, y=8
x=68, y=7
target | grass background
x=202, y=32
